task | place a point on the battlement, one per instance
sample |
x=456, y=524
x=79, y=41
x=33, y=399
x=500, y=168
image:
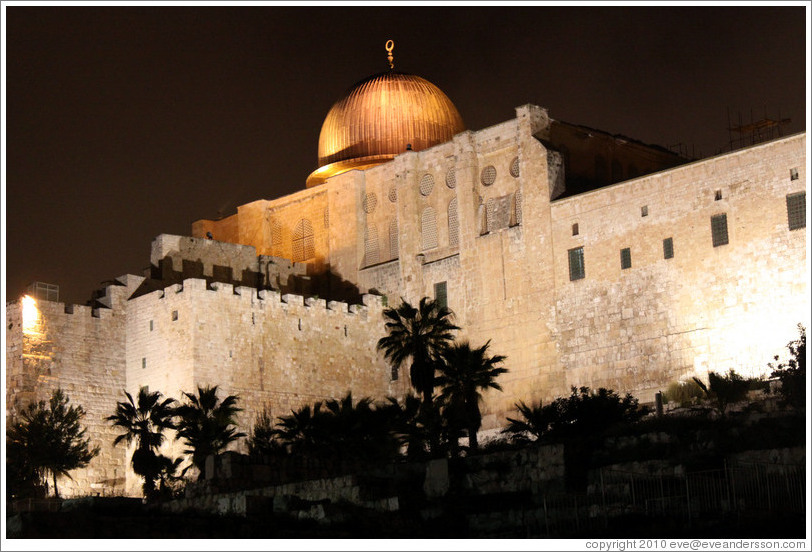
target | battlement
x=370, y=303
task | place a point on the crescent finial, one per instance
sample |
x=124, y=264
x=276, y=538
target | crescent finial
x=390, y=45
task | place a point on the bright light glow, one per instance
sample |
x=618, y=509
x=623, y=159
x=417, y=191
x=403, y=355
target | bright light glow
x=31, y=315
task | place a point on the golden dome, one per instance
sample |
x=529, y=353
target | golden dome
x=379, y=118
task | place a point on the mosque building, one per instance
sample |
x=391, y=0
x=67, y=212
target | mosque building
x=588, y=259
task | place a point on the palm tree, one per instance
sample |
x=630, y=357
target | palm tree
x=535, y=421
x=303, y=430
x=420, y=334
x=463, y=374
x=144, y=421
x=207, y=424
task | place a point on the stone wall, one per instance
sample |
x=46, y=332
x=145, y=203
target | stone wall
x=707, y=308
x=476, y=213
x=82, y=351
x=276, y=352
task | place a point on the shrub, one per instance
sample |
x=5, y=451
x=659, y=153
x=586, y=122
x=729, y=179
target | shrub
x=724, y=390
x=792, y=374
x=684, y=393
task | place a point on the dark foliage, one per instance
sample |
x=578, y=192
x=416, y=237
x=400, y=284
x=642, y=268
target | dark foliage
x=792, y=374
x=725, y=390
x=464, y=372
x=262, y=440
x=48, y=439
x=144, y=421
x=582, y=414
x=340, y=429
x=206, y=424
x=420, y=334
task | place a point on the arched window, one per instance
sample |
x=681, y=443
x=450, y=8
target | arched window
x=393, y=239
x=303, y=241
x=429, y=228
x=453, y=224
x=276, y=237
x=371, y=250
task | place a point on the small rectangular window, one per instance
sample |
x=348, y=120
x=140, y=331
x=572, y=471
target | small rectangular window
x=575, y=229
x=668, y=248
x=576, y=260
x=625, y=258
x=796, y=210
x=718, y=195
x=719, y=229
x=394, y=373
x=793, y=174
x=441, y=294
x=150, y=325
x=143, y=362
x=644, y=211
x=174, y=315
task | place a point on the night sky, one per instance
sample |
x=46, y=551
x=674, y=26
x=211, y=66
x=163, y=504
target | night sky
x=127, y=122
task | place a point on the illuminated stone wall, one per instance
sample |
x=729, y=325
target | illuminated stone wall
x=481, y=214
x=81, y=352
x=276, y=352
x=707, y=308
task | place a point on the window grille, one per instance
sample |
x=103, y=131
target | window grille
x=514, y=168
x=370, y=202
x=426, y=184
x=276, y=237
x=371, y=251
x=453, y=224
x=517, y=211
x=451, y=178
x=393, y=239
x=719, y=229
x=441, y=294
x=303, y=241
x=576, y=261
x=668, y=248
x=429, y=228
x=796, y=210
x=490, y=215
x=625, y=258
x=488, y=175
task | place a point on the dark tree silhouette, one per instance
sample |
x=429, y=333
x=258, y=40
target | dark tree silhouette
x=584, y=413
x=414, y=424
x=145, y=421
x=465, y=372
x=724, y=390
x=420, y=334
x=341, y=428
x=792, y=374
x=301, y=431
x=206, y=424
x=49, y=439
x=263, y=438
